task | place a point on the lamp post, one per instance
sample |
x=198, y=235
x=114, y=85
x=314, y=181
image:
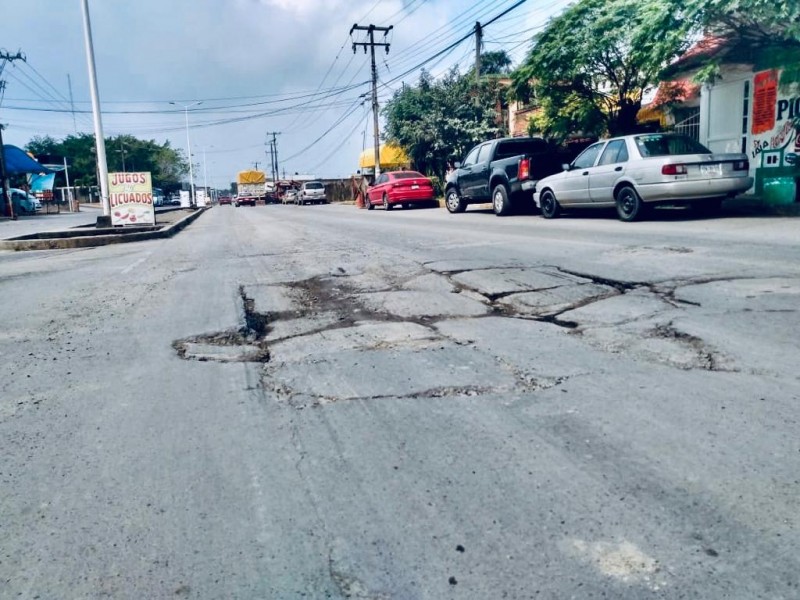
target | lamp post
x=186, y=108
x=208, y=197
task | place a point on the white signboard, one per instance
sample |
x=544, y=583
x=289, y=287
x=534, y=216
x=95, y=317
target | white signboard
x=130, y=197
x=200, y=197
x=186, y=199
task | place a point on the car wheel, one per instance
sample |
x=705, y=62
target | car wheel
x=500, y=201
x=454, y=202
x=370, y=205
x=386, y=204
x=629, y=204
x=236, y=205
x=549, y=205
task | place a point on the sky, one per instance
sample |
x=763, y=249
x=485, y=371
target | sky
x=257, y=66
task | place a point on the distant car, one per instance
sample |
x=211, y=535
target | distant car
x=312, y=192
x=24, y=202
x=636, y=172
x=401, y=187
x=289, y=197
x=225, y=200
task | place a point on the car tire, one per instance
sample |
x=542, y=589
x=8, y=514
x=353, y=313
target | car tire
x=501, y=203
x=629, y=204
x=369, y=204
x=386, y=204
x=549, y=205
x=236, y=205
x=454, y=202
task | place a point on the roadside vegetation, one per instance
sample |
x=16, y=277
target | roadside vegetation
x=166, y=164
x=587, y=72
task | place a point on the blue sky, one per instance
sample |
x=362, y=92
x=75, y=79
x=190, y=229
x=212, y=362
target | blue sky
x=257, y=65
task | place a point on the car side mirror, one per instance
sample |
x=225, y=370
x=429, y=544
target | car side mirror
x=457, y=165
x=566, y=167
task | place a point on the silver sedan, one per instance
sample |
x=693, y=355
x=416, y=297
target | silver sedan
x=635, y=172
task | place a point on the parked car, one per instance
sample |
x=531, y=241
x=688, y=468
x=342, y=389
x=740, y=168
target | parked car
x=312, y=192
x=401, y=187
x=289, y=197
x=225, y=200
x=503, y=172
x=24, y=202
x=636, y=172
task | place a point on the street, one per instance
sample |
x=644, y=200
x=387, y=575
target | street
x=324, y=402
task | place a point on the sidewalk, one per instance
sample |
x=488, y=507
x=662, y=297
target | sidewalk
x=29, y=224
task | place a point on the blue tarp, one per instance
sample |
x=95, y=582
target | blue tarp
x=18, y=161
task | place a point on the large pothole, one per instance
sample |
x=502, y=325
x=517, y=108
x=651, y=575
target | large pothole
x=245, y=344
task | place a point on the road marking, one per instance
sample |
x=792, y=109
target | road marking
x=132, y=266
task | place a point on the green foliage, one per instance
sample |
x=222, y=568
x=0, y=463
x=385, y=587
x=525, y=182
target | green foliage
x=165, y=163
x=764, y=33
x=589, y=68
x=438, y=121
x=495, y=63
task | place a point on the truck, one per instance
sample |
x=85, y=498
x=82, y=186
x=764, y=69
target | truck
x=251, y=186
x=503, y=172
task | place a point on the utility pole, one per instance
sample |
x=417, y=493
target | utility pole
x=6, y=58
x=371, y=29
x=271, y=160
x=72, y=103
x=478, y=44
x=273, y=150
x=99, y=140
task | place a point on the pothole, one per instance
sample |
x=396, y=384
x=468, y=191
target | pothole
x=245, y=344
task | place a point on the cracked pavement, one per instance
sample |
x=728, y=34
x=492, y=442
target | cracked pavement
x=320, y=402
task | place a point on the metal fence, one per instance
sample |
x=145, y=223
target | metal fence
x=690, y=126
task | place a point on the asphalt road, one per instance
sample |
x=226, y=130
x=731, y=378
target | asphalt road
x=321, y=402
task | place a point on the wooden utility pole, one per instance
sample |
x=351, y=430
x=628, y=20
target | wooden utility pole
x=6, y=58
x=371, y=29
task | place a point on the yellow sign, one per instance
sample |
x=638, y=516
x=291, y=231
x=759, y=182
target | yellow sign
x=130, y=196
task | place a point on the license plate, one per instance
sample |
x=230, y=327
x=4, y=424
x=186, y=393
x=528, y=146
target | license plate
x=415, y=186
x=711, y=170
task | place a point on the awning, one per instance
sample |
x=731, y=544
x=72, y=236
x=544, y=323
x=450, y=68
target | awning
x=18, y=161
x=391, y=156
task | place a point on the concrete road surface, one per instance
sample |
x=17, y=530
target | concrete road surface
x=321, y=402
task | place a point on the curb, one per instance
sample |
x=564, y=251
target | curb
x=90, y=241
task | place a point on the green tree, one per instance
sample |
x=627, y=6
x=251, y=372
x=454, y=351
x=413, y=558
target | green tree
x=495, y=63
x=589, y=68
x=166, y=164
x=437, y=121
x=764, y=33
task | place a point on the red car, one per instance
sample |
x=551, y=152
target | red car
x=224, y=200
x=401, y=187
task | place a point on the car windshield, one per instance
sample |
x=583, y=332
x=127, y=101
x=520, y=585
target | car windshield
x=668, y=145
x=407, y=175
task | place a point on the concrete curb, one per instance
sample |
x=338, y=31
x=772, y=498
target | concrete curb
x=89, y=241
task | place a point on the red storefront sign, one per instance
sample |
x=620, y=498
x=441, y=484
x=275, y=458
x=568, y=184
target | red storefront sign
x=765, y=99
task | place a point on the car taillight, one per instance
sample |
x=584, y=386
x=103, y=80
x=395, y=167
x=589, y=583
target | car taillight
x=741, y=165
x=673, y=170
x=524, y=169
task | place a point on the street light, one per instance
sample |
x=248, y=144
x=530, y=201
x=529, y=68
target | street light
x=205, y=174
x=189, y=147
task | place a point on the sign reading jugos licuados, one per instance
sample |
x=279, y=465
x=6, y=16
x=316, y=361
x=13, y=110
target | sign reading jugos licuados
x=130, y=196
